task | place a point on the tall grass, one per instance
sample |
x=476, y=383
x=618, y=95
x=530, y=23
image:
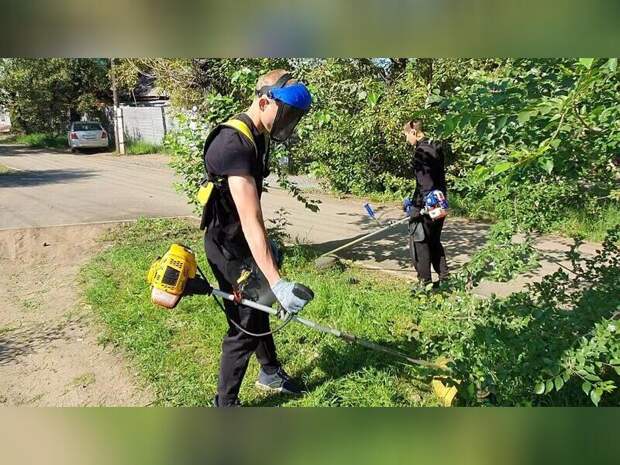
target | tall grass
x=39, y=140
x=589, y=225
x=140, y=147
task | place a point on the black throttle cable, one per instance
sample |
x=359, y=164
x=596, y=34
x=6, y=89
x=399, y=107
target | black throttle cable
x=287, y=320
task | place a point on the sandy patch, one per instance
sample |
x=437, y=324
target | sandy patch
x=49, y=349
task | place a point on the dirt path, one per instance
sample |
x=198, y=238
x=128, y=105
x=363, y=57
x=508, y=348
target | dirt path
x=49, y=349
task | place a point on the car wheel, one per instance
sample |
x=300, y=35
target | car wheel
x=74, y=150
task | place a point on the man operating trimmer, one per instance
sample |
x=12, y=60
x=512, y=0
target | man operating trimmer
x=243, y=260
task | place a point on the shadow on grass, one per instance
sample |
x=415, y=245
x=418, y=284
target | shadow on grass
x=337, y=362
x=508, y=345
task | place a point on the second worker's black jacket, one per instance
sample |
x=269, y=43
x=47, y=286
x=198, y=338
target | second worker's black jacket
x=429, y=170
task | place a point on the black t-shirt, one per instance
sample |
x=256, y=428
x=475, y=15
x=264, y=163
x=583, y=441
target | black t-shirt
x=430, y=174
x=231, y=154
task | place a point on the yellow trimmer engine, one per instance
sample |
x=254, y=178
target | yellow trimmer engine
x=169, y=275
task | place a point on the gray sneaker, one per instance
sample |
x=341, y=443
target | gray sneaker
x=279, y=381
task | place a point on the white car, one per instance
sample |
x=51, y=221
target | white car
x=87, y=134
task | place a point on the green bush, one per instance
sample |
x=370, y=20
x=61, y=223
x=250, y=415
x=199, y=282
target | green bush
x=534, y=142
x=555, y=343
x=352, y=138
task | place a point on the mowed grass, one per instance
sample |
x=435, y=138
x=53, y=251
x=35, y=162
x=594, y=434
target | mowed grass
x=177, y=351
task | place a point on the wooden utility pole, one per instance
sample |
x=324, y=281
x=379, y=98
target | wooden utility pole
x=119, y=138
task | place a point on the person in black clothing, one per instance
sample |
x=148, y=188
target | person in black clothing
x=239, y=253
x=425, y=233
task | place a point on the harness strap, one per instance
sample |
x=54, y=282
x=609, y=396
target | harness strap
x=242, y=128
x=238, y=124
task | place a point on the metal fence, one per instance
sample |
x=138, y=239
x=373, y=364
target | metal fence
x=149, y=124
x=5, y=120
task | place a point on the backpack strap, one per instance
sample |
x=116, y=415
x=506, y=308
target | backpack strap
x=245, y=118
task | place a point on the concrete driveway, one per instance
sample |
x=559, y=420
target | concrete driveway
x=56, y=188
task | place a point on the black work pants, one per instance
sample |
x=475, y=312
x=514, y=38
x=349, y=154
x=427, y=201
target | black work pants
x=227, y=263
x=429, y=251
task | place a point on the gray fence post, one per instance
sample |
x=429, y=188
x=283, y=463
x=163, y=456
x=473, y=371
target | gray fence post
x=163, y=120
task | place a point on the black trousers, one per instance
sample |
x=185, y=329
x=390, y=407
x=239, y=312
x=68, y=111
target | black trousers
x=429, y=251
x=227, y=263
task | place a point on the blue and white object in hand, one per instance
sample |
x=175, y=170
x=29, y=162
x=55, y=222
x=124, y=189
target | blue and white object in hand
x=435, y=199
x=407, y=206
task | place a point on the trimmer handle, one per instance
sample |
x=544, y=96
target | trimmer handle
x=303, y=292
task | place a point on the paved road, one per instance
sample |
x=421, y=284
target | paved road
x=51, y=188
x=61, y=188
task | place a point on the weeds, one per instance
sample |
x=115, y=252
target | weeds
x=39, y=140
x=140, y=147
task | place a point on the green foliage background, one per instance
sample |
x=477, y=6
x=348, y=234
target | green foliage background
x=44, y=95
x=535, y=142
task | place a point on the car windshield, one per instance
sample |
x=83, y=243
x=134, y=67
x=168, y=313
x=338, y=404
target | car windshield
x=87, y=127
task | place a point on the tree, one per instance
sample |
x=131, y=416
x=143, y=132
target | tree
x=44, y=95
